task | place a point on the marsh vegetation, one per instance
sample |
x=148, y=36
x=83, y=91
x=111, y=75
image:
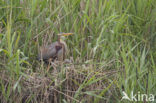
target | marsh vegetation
x=113, y=49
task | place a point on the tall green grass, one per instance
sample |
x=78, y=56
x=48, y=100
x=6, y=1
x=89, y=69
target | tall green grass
x=113, y=49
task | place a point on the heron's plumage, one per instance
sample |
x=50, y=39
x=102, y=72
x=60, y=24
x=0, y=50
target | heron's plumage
x=55, y=50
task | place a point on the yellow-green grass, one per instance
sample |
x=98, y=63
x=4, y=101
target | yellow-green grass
x=112, y=49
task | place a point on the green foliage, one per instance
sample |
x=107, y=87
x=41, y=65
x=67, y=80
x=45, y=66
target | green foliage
x=110, y=35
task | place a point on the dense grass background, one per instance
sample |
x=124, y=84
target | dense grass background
x=113, y=49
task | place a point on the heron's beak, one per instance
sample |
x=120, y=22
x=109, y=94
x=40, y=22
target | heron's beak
x=67, y=34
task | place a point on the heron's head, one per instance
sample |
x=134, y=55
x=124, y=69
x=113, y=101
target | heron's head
x=61, y=36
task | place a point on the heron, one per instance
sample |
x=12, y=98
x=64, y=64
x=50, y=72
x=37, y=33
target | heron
x=56, y=50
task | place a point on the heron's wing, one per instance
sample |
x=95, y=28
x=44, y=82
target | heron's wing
x=48, y=52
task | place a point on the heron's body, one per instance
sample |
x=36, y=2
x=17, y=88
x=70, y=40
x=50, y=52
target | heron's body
x=55, y=50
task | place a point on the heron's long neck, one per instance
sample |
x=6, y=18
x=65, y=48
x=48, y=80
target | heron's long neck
x=59, y=38
x=62, y=43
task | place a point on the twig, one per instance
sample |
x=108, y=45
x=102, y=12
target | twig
x=66, y=95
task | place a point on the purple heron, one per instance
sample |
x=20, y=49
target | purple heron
x=56, y=50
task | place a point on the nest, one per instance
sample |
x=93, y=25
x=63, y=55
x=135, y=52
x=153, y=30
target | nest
x=79, y=83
